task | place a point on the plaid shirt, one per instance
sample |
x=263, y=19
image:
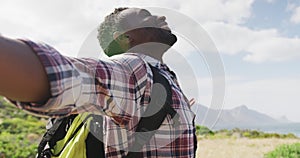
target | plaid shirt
x=118, y=88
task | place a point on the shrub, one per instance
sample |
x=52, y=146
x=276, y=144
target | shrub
x=288, y=151
x=252, y=134
x=202, y=130
x=19, y=132
x=16, y=146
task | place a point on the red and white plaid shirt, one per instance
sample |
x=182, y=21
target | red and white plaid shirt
x=118, y=88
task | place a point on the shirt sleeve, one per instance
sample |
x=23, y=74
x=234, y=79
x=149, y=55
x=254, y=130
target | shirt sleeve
x=113, y=87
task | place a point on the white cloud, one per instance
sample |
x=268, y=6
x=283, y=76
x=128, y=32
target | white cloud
x=274, y=49
x=290, y=6
x=62, y=24
x=277, y=97
x=65, y=24
x=295, y=18
x=261, y=45
x=234, y=11
x=270, y=1
x=273, y=96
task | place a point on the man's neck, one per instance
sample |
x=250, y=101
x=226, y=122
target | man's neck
x=154, y=50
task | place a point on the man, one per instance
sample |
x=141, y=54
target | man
x=37, y=78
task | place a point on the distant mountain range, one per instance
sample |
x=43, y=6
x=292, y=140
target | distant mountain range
x=239, y=117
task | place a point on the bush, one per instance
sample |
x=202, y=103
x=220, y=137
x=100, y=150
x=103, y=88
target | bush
x=285, y=151
x=18, y=125
x=17, y=146
x=252, y=134
x=20, y=132
x=202, y=130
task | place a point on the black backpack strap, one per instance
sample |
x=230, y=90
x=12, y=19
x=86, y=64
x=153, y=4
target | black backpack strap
x=148, y=125
x=50, y=134
x=57, y=132
x=94, y=141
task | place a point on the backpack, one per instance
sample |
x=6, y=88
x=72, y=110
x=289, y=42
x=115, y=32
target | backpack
x=74, y=136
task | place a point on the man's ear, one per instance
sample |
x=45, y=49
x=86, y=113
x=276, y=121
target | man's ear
x=123, y=40
x=118, y=36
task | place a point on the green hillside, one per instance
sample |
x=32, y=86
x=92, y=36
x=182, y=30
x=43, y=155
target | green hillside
x=19, y=132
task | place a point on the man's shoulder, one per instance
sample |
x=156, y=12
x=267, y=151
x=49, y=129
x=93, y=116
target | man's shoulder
x=130, y=59
x=127, y=57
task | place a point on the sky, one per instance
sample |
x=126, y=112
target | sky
x=257, y=41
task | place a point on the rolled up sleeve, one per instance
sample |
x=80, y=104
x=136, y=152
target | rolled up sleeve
x=63, y=77
x=114, y=87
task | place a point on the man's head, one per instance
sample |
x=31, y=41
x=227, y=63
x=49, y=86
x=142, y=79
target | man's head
x=126, y=28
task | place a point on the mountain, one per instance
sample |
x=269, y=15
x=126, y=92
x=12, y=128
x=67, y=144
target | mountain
x=283, y=119
x=238, y=117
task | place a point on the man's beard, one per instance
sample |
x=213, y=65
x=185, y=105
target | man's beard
x=158, y=39
x=162, y=36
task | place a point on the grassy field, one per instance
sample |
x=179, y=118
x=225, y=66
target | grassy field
x=239, y=147
x=20, y=133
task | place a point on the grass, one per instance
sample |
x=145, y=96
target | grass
x=240, y=147
x=237, y=143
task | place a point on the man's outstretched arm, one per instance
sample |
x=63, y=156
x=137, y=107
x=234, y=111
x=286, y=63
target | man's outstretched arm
x=22, y=76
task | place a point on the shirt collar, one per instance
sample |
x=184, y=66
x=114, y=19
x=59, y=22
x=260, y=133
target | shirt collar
x=152, y=61
x=156, y=63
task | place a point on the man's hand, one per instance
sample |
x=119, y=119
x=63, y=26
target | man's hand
x=22, y=76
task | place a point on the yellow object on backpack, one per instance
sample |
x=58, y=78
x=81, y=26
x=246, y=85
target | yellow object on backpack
x=75, y=136
x=73, y=144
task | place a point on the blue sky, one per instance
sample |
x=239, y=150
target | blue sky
x=275, y=14
x=258, y=41
x=271, y=15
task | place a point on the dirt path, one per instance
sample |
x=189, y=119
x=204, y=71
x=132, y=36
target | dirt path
x=238, y=148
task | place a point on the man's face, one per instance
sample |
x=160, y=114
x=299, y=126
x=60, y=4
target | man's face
x=144, y=27
x=134, y=18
